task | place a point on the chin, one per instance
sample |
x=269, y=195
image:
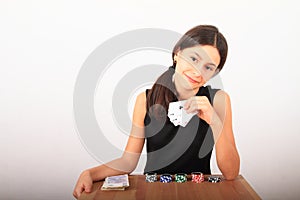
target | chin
x=192, y=87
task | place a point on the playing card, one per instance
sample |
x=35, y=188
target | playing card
x=178, y=115
x=174, y=113
x=186, y=118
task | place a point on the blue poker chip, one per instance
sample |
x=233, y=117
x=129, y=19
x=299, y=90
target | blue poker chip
x=166, y=178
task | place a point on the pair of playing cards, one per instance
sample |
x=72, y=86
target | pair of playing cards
x=178, y=115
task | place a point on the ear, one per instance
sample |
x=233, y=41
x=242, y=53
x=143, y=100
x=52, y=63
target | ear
x=175, y=57
x=176, y=54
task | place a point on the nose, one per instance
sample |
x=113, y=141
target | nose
x=196, y=71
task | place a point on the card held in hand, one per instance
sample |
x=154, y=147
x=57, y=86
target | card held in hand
x=178, y=115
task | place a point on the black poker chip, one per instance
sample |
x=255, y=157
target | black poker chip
x=214, y=179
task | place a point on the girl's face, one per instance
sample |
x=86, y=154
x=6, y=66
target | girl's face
x=196, y=65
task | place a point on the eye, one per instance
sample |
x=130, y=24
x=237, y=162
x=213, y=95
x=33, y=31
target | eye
x=207, y=67
x=194, y=59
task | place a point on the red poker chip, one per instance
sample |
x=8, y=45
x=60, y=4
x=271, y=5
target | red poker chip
x=197, y=177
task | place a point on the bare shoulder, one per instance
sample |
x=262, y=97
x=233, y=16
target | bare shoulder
x=140, y=109
x=140, y=103
x=222, y=98
x=141, y=97
x=222, y=104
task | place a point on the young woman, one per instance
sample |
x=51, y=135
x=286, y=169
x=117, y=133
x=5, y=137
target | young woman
x=198, y=56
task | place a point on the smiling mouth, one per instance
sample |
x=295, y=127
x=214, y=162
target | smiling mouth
x=191, y=80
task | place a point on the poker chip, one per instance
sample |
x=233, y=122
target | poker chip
x=166, y=178
x=214, y=179
x=180, y=177
x=151, y=177
x=197, y=177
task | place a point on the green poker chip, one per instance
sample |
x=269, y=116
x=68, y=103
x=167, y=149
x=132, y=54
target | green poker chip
x=180, y=177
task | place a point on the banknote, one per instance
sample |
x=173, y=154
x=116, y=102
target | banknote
x=119, y=182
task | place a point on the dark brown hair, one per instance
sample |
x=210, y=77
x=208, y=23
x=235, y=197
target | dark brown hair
x=163, y=91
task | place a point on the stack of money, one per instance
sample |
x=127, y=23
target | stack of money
x=115, y=182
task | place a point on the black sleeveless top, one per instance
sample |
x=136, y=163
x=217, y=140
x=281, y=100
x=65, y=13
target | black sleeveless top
x=175, y=149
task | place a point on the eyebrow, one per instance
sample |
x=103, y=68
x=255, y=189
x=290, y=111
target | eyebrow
x=201, y=59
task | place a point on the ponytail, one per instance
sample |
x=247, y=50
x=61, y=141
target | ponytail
x=161, y=94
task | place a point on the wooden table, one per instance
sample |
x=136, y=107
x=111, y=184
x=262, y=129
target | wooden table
x=140, y=189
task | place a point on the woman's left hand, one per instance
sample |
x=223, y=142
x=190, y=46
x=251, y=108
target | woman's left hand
x=201, y=105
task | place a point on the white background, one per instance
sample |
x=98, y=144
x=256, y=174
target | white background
x=43, y=45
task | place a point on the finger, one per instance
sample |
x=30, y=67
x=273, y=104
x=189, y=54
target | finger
x=77, y=192
x=203, y=99
x=88, y=187
x=75, y=195
x=189, y=102
x=197, y=106
x=194, y=107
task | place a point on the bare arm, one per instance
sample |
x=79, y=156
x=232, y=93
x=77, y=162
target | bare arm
x=219, y=118
x=226, y=152
x=128, y=161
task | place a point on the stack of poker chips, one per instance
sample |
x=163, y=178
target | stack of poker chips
x=214, y=179
x=151, y=177
x=197, y=177
x=180, y=177
x=166, y=178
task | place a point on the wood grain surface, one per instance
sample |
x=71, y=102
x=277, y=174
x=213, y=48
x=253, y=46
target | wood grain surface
x=140, y=189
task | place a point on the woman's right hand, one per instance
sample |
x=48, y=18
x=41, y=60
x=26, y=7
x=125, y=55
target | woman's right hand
x=84, y=183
